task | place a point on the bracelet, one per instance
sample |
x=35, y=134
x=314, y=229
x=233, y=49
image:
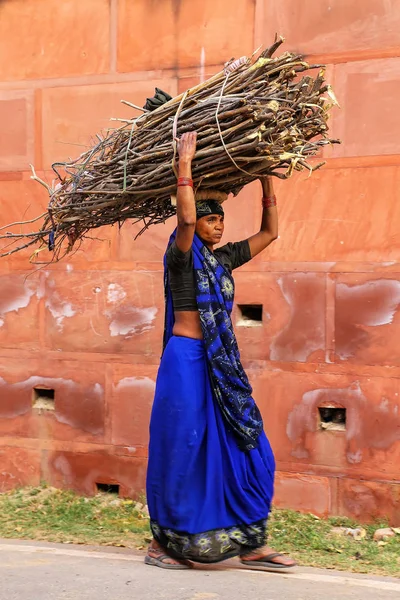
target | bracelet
x=268, y=201
x=185, y=181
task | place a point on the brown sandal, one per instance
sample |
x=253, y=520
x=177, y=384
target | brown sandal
x=266, y=563
x=160, y=562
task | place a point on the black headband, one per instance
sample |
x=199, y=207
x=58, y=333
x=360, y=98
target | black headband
x=208, y=207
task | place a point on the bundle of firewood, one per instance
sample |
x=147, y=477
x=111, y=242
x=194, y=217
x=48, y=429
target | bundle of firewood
x=260, y=115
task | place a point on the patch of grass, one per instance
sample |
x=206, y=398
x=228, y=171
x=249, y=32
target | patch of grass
x=53, y=515
x=310, y=541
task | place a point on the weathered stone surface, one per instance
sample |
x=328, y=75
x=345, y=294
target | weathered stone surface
x=118, y=311
x=17, y=129
x=183, y=33
x=48, y=38
x=303, y=493
x=130, y=404
x=19, y=302
x=72, y=116
x=79, y=400
x=91, y=327
x=368, y=500
x=83, y=471
x=18, y=467
x=293, y=325
x=149, y=247
x=289, y=403
x=367, y=319
x=20, y=198
x=329, y=26
x=366, y=127
x=335, y=217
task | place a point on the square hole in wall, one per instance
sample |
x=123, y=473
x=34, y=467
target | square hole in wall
x=250, y=315
x=43, y=398
x=107, y=488
x=332, y=418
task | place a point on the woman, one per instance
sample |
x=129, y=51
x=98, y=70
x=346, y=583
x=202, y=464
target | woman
x=211, y=468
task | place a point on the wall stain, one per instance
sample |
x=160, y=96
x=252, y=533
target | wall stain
x=358, y=307
x=367, y=426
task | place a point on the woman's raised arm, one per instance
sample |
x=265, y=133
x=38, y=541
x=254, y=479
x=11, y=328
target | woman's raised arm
x=185, y=202
x=269, y=220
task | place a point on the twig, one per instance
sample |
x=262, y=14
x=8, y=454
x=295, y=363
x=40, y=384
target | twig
x=36, y=178
x=175, y=134
x=144, y=110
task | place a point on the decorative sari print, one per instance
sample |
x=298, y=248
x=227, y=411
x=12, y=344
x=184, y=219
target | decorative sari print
x=211, y=546
x=231, y=387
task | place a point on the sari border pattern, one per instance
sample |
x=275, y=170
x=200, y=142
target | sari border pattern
x=213, y=545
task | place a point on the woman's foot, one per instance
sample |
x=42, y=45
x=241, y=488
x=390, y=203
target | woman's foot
x=268, y=559
x=157, y=556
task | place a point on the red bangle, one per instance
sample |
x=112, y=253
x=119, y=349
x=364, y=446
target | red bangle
x=185, y=181
x=269, y=201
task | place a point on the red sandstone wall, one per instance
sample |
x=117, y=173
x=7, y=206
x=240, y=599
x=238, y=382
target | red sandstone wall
x=90, y=327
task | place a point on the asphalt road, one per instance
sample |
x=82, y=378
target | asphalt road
x=39, y=571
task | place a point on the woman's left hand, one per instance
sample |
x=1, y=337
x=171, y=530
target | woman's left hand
x=187, y=146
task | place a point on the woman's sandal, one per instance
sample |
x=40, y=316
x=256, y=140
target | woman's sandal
x=266, y=563
x=160, y=562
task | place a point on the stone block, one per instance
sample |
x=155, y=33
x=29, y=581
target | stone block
x=148, y=247
x=193, y=76
x=20, y=199
x=19, y=467
x=323, y=218
x=305, y=493
x=288, y=418
x=147, y=35
x=367, y=318
x=329, y=26
x=293, y=325
x=19, y=304
x=367, y=92
x=106, y=311
x=72, y=116
x=369, y=445
x=11, y=176
x=93, y=252
x=81, y=471
x=17, y=129
x=213, y=31
x=369, y=501
x=78, y=412
x=48, y=38
x=130, y=404
x=185, y=34
x=243, y=216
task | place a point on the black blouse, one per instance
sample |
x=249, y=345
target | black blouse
x=181, y=274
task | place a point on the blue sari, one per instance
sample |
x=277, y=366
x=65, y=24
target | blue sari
x=211, y=468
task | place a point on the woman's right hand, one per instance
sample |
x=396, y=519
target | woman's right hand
x=187, y=146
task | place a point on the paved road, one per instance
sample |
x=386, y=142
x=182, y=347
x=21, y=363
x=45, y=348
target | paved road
x=38, y=571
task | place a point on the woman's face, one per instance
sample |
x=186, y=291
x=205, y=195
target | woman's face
x=210, y=229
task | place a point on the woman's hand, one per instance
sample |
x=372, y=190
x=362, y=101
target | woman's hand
x=187, y=146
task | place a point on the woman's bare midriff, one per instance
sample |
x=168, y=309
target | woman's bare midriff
x=187, y=324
